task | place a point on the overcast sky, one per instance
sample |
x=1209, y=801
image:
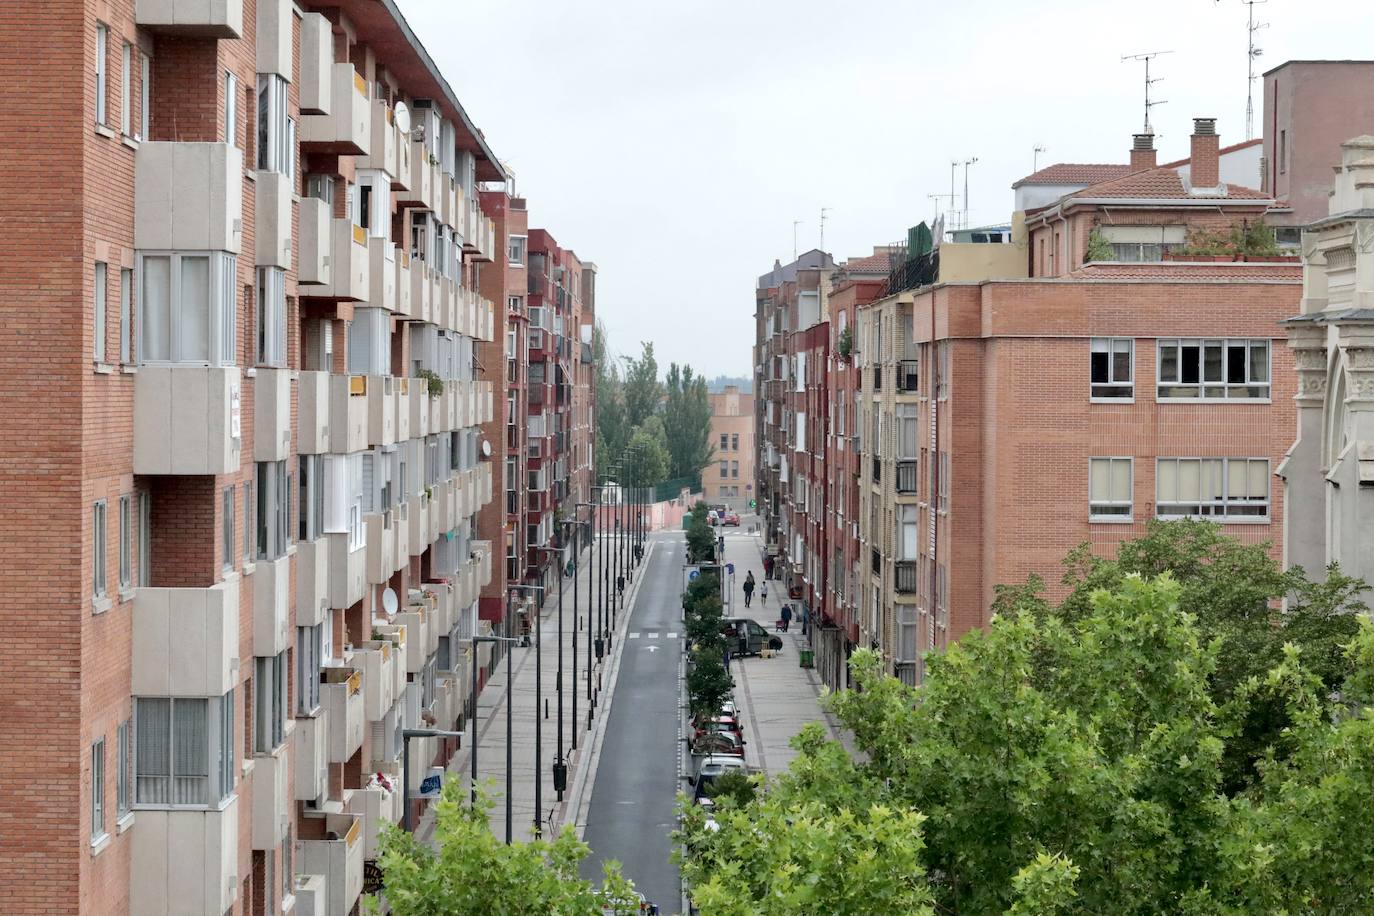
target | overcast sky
x=674, y=144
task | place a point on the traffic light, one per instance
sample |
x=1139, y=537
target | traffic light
x=753, y=504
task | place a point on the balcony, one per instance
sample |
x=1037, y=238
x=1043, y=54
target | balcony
x=312, y=420
x=272, y=415
x=341, y=695
x=377, y=807
x=416, y=621
x=421, y=291
x=877, y=465
x=380, y=394
x=315, y=221
x=186, y=640
x=188, y=196
x=186, y=420
x=907, y=477
x=420, y=184
x=440, y=511
x=317, y=56
x=381, y=272
x=348, y=415
x=403, y=284
x=418, y=525
x=347, y=572
x=338, y=861
x=346, y=129
x=310, y=753
x=905, y=578
x=401, y=528
x=271, y=606
x=400, y=394
x=349, y=266
x=376, y=660
x=312, y=581
x=273, y=802
x=419, y=408
x=381, y=547
x=383, y=142
x=193, y=19
x=272, y=219
x=909, y=376
x=185, y=860
x=396, y=635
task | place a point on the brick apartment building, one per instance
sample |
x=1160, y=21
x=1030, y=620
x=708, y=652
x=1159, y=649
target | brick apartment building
x=730, y=481
x=259, y=280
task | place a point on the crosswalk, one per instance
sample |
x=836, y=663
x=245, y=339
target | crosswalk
x=651, y=635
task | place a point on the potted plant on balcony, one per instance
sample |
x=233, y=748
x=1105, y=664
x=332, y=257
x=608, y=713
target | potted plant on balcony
x=846, y=344
x=1099, y=249
x=434, y=383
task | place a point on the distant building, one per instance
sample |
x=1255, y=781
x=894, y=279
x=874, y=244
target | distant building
x=730, y=479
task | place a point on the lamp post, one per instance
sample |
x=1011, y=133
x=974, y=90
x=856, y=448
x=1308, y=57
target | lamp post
x=577, y=508
x=560, y=766
x=406, y=735
x=494, y=640
x=538, y=707
x=606, y=606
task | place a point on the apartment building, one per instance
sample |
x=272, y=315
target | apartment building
x=730, y=481
x=1095, y=373
x=1329, y=470
x=251, y=284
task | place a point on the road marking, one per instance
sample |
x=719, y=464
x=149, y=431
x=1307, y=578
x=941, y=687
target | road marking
x=651, y=636
x=670, y=635
x=652, y=648
x=634, y=635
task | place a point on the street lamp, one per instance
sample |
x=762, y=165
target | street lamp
x=591, y=584
x=406, y=735
x=560, y=766
x=538, y=702
x=494, y=640
x=606, y=606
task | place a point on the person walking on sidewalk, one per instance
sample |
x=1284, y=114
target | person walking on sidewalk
x=620, y=585
x=748, y=587
x=763, y=593
x=786, y=617
x=768, y=567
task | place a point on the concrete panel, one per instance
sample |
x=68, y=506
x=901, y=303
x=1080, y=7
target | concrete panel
x=200, y=18
x=272, y=415
x=272, y=219
x=315, y=242
x=185, y=640
x=312, y=421
x=274, y=38
x=271, y=606
x=312, y=581
x=317, y=55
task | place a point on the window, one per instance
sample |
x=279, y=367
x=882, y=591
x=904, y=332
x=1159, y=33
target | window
x=724, y=438
x=99, y=329
x=145, y=529
x=125, y=84
x=122, y=769
x=274, y=147
x=1213, y=369
x=1113, y=363
x=126, y=571
x=186, y=307
x=309, y=655
x=1109, y=489
x=311, y=485
x=248, y=530
x=126, y=315
x=102, y=41
x=725, y=469
x=517, y=251
x=227, y=541
x=273, y=509
x=944, y=482
x=1233, y=489
x=734, y=469
x=183, y=750
x=231, y=108
x=734, y=442
x=98, y=549
x=942, y=370
x=145, y=91
x=98, y=790
x=271, y=316
x=1283, y=152
x=269, y=702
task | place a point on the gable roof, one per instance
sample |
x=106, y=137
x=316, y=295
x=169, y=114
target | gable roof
x=878, y=262
x=1161, y=183
x=1075, y=173
x=1233, y=148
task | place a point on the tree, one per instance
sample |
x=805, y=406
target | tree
x=649, y=466
x=612, y=430
x=472, y=872
x=687, y=419
x=643, y=390
x=1073, y=765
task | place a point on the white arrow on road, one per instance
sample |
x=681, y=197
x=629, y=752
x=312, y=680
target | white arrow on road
x=652, y=648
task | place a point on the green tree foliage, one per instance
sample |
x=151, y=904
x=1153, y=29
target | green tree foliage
x=649, y=465
x=701, y=537
x=687, y=419
x=471, y=873
x=612, y=428
x=643, y=390
x=1072, y=764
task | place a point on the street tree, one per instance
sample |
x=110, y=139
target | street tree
x=643, y=390
x=687, y=418
x=612, y=428
x=648, y=467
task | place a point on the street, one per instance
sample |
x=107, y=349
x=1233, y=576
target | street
x=631, y=816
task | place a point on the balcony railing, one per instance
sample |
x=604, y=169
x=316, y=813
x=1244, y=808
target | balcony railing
x=905, y=577
x=877, y=378
x=909, y=375
x=877, y=469
x=906, y=476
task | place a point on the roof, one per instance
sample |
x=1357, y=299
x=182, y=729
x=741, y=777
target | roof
x=1289, y=63
x=879, y=262
x=1188, y=270
x=1163, y=183
x=1075, y=173
x=1233, y=148
x=782, y=273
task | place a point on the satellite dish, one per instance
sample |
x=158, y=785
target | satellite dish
x=486, y=449
x=389, y=602
x=402, y=117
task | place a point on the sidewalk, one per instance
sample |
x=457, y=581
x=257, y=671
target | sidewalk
x=776, y=696
x=491, y=716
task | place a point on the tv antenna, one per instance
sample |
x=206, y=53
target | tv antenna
x=1253, y=53
x=824, y=211
x=967, y=162
x=1035, y=157
x=795, y=224
x=1149, y=103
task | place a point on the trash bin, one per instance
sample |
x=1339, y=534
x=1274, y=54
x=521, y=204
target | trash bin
x=807, y=658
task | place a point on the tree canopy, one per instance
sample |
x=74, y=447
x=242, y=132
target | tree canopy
x=687, y=420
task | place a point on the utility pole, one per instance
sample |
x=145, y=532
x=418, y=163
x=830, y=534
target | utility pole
x=1253, y=52
x=1147, y=57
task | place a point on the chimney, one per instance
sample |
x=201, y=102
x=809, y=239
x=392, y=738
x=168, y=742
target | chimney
x=1204, y=168
x=1143, y=152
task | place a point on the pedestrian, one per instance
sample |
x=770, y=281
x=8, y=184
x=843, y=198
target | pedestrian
x=768, y=567
x=763, y=592
x=620, y=585
x=748, y=587
x=786, y=617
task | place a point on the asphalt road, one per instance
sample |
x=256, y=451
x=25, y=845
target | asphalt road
x=631, y=816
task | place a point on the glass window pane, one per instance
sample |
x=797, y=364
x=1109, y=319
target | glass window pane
x=1235, y=362
x=1259, y=360
x=193, y=310
x=1121, y=361
x=1188, y=472
x=1099, y=368
x=1189, y=362
x=1259, y=479
x=1211, y=484
x=1168, y=361
x=1098, y=479
x=156, y=312
x=1121, y=480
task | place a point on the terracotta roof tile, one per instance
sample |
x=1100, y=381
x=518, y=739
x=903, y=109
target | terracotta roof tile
x=1163, y=183
x=1234, y=147
x=881, y=262
x=1075, y=173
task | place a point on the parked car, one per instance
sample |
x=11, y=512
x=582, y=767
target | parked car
x=717, y=744
x=713, y=518
x=731, y=518
x=745, y=636
x=709, y=768
x=717, y=724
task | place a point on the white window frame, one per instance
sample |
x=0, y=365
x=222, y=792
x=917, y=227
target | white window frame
x=1168, y=391
x=231, y=108
x=1221, y=508
x=309, y=660
x=126, y=316
x=98, y=831
x=99, y=546
x=145, y=538
x=229, y=545
x=126, y=87
x=517, y=254
x=274, y=125
x=311, y=492
x=1101, y=392
x=126, y=568
x=123, y=794
x=270, y=699
x=102, y=67
x=99, y=312
x=1107, y=509
x=221, y=309
x=270, y=317
x=220, y=751
x=145, y=85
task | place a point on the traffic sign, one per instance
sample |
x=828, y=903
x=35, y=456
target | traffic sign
x=730, y=568
x=691, y=576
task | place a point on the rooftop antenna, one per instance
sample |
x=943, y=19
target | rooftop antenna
x=1254, y=52
x=1035, y=158
x=795, y=224
x=1147, y=57
x=967, y=163
x=953, y=165
x=824, y=211
x=936, y=198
